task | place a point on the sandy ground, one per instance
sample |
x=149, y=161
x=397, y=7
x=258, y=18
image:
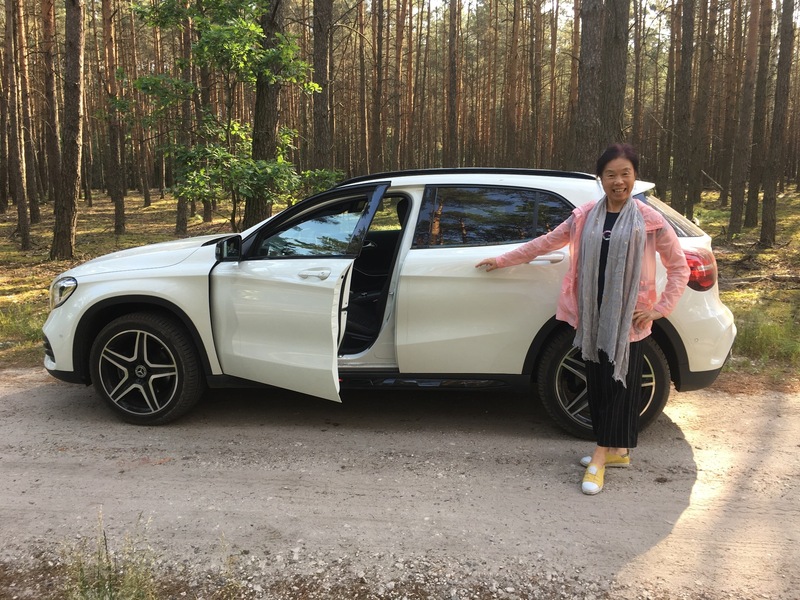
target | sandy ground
x=475, y=482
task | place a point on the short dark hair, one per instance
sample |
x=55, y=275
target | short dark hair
x=618, y=151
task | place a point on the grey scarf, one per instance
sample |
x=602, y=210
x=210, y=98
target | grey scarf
x=608, y=329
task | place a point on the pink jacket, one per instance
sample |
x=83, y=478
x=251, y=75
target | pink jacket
x=660, y=237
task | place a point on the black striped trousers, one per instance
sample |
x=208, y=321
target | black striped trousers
x=614, y=407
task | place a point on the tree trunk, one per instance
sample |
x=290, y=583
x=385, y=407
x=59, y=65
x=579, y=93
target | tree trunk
x=683, y=109
x=758, y=148
x=550, y=151
x=638, y=93
x=375, y=128
x=775, y=154
x=4, y=163
x=114, y=174
x=574, y=67
x=141, y=147
x=614, y=71
x=87, y=153
x=182, y=213
x=322, y=145
x=16, y=157
x=587, y=128
x=700, y=139
x=363, y=158
x=732, y=104
x=66, y=206
x=741, y=158
x=450, y=155
x=51, y=124
x=265, y=118
x=27, y=119
x=665, y=144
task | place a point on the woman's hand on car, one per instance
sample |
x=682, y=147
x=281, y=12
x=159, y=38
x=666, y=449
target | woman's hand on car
x=489, y=263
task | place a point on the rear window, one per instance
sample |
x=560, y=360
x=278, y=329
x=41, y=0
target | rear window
x=486, y=215
x=682, y=226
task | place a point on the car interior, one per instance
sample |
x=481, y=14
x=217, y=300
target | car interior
x=372, y=275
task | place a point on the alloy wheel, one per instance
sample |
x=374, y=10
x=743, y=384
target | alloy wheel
x=138, y=372
x=571, y=393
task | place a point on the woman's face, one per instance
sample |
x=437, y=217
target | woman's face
x=617, y=179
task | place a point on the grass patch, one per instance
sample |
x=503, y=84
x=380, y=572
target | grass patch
x=768, y=322
x=25, y=276
x=94, y=569
x=767, y=311
x=759, y=286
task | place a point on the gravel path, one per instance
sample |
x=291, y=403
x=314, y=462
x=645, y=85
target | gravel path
x=400, y=495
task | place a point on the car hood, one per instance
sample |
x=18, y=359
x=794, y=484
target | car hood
x=152, y=256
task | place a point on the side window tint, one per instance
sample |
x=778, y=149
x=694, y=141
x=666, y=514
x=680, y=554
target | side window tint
x=480, y=216
x=326, y=232
x=552, y=212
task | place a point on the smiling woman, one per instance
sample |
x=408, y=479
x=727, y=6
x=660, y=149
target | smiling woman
x=609, y=298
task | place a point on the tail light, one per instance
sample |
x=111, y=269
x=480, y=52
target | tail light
x=703, y=267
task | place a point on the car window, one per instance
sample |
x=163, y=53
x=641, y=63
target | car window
x=683, y=227
x=325, y=232
x=483, y=215
x=390, y=214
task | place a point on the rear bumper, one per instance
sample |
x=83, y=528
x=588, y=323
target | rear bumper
x=696, y=380
x=711, y=349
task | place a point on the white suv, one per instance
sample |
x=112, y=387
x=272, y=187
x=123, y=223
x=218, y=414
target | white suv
x=371, y=283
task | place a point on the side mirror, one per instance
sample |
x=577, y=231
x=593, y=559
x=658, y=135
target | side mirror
x=229, y=249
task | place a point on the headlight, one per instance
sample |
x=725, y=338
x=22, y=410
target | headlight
x=60, y=290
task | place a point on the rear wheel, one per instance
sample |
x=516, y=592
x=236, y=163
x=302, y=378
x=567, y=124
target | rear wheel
x=561, y=380
x=146, y=368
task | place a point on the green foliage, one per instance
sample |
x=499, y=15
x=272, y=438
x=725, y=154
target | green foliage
x=280, y=64
x=319, y=180
x=224, y=167
x=164, y=91
x=230, y=40
x=233, y=47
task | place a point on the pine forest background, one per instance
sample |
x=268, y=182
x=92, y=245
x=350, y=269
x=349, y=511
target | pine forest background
x=254, y=103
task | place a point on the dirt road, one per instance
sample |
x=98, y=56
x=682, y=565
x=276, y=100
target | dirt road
x=462, y=495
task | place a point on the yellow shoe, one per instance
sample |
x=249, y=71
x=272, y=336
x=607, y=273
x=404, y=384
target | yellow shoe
x=612, y=460
x=593, y=479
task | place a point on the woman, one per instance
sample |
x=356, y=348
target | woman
x=609, y=297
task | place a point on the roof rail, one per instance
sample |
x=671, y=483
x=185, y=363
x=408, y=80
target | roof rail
x=469, y=170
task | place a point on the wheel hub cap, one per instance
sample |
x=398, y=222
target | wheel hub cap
x=138, y=372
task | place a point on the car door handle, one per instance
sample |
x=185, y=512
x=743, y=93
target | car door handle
x=321, y=274
x=552, y=258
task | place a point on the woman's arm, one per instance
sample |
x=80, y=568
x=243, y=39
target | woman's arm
x=558, y=238
x=673, y=258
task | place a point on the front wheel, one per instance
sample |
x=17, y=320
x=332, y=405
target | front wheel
x=561, y=379
x=145, y=367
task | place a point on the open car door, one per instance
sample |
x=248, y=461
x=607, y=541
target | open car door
x=278, y=311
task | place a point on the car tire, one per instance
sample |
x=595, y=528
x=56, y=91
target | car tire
x=145, y=367
x=561, y=382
